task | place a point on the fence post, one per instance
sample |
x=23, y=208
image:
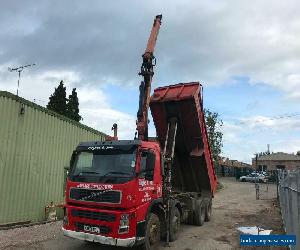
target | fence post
x=277, y=183
x=298, y=212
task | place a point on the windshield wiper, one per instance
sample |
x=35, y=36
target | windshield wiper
x=116, y=172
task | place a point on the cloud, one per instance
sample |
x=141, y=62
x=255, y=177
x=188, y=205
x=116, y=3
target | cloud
x=95, y=45
x=289, y=122
x=208, y=41
x=249, y=135
x=103, y=119
x=97, y=113
x=291, y=145
x=230, y=132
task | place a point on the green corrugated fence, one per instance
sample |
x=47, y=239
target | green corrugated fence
x=35, y=147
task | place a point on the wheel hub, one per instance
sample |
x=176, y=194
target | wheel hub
x=175, y=223
x=153, y=234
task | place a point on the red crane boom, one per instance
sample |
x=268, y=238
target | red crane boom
x=147, y=72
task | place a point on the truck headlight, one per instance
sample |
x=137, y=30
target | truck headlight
x=124, y=224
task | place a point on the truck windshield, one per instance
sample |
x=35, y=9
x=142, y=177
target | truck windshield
x=104, y=166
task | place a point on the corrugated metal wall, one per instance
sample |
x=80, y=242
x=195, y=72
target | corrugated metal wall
x=34, y=149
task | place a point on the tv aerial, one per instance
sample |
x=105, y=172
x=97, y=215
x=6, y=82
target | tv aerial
x=19, y=70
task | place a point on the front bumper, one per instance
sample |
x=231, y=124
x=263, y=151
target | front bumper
x=100, y=239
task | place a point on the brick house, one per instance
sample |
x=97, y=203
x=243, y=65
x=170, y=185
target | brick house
x=277, y=161
x=227, y=167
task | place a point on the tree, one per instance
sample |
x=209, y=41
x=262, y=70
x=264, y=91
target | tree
x=73, y=106
x=58, y=101
x=215, y=136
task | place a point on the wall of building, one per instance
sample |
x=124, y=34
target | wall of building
x=272, y=165
x=35, y=147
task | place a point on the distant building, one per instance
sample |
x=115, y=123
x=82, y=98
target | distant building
x=227, y=167
x=277, y=161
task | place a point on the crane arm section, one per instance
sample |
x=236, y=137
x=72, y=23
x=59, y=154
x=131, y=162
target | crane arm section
x=145, y=86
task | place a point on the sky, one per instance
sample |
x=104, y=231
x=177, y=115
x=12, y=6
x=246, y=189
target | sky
x=246, y=54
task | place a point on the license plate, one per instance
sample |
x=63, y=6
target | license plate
x=91, y=229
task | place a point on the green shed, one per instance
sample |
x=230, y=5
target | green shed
x=35, y=148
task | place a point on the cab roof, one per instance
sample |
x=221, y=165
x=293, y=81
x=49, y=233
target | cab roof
x=101, y=145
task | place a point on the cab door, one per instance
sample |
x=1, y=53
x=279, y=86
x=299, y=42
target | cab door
x=149, y=176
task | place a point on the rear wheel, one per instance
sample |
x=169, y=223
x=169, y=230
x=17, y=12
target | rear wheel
x=190, y=218
x=174, y=224
x=208, y=211
x=152, y=237
x=199, y=215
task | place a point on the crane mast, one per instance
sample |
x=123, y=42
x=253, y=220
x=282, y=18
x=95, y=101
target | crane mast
x=147, y=73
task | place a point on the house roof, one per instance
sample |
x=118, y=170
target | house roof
x=233, y=163
x=280, y=156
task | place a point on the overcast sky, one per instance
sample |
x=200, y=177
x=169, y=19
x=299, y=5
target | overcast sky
x=245, y=53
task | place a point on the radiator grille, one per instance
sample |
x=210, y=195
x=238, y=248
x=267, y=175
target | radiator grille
x=93, y=215
x=100, y=196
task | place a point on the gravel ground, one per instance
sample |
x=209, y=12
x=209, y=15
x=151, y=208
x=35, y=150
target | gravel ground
x=233, y=206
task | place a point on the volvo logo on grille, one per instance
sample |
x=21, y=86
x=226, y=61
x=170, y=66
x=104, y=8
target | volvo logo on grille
x=92, y=195
x=91, y=229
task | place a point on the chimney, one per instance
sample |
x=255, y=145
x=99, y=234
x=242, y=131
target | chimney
x=115, y=129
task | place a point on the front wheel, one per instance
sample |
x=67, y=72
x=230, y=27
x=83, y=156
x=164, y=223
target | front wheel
x=152, y=237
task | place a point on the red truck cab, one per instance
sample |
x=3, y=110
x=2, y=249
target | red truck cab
x=110, y=188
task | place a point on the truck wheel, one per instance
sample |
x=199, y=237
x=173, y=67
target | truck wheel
x=208, y=211
x=199, y=215
x=152, y=237
x=174, y=224
x=190, y=218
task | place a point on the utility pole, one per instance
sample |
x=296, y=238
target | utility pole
x=256, y=178
x=19, y=70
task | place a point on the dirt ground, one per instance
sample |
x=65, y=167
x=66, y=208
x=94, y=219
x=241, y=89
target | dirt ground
x=233, y=206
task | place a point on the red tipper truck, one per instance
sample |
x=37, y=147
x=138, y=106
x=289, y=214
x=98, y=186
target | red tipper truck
x=137, y=192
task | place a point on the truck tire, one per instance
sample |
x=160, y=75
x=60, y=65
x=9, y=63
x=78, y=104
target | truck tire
x=208, y=211
x=174, y=224
x=190, y=218
x=199, y=214
x=152, y=236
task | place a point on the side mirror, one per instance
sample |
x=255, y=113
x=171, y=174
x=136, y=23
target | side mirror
x=66, y=174
x=72, y=161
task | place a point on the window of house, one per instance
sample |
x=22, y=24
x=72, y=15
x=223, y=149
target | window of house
x=280, y=166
